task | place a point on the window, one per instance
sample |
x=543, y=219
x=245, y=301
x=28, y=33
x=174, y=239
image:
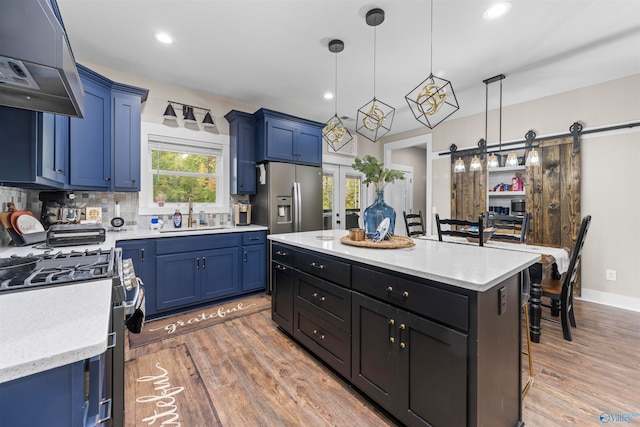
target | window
x=175, y=168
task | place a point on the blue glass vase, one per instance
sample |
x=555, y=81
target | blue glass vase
x=374, y=214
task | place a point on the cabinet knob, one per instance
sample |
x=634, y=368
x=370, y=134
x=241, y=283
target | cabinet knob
x=318, y=266
x=107, y=179
x=315, y=332
x=392, y=322
x=402, y=345
x=59, y=171
x=392, y=340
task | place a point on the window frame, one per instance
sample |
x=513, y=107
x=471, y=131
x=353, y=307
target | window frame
x=188, y=137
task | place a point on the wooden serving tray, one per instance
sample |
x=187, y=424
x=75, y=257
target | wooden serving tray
x=396, y=242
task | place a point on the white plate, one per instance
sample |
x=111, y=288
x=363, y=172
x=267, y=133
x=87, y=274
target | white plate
x=27, y=224
x=382, y=230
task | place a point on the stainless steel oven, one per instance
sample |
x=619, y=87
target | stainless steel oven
x=104, y=374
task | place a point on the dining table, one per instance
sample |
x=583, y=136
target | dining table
x=554, y=259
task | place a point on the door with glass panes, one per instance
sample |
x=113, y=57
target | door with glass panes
x=342, y=197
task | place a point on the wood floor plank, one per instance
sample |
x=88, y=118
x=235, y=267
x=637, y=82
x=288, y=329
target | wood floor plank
x=250, y=374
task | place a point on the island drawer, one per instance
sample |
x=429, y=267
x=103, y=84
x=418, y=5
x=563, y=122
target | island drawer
x=324, y=267
x=444, y=306
x=283, y=254
x=330, y=302
x=330, y=344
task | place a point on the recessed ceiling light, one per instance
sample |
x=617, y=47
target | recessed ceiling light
x=497, y=10
x=328, y=95
x=163, y=38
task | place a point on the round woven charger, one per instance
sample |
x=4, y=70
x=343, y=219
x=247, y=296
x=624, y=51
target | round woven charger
x=396, y=242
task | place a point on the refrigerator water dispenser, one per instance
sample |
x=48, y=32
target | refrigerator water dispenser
x=283, y=215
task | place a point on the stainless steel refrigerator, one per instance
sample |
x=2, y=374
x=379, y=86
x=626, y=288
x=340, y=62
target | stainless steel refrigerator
x=288, y=198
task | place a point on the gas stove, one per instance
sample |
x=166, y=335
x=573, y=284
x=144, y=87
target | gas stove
x=62, y=268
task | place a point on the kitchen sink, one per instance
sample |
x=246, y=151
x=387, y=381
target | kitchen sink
x=192, y=229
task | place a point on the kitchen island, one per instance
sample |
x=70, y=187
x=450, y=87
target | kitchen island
x=430, y=332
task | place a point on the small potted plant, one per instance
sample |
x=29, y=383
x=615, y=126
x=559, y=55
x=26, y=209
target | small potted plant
x=375, y=173
x=161, y=199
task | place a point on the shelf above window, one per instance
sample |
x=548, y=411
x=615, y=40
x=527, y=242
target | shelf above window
x=507, y=168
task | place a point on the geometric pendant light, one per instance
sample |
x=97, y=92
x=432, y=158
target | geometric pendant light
x=375, y=118
x=433, y=100
x=334, y=132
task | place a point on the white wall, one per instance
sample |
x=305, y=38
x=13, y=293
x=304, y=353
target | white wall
x=609, y=174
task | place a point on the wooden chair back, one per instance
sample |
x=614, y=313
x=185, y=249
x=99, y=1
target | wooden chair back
x=414, y=224
x=477, y=233
x=509, y=227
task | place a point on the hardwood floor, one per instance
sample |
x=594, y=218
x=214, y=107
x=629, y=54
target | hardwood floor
x=244, y=372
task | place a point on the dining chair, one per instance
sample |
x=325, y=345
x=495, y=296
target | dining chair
x=524, y=304
x=560, y=291
x=509, y=227
x=414, y=224
x=473, y=230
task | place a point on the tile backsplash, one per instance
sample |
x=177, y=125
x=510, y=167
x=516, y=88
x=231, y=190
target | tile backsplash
x=25, y=199
x=28, y=200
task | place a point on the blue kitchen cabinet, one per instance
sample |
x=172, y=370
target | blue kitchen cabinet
x=54, y=146
x=54, y=398
x=125, y=166
x=105, y=144
x=281, y=137
x=178, y=280
x=254, y=261
x=195, y=269
x=143, y=254
x=242, y=152
x=36, y=147
x=90, y=137
x=220, y=273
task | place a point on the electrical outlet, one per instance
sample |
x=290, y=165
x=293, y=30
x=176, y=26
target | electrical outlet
x=611, y=275
x=434, y=210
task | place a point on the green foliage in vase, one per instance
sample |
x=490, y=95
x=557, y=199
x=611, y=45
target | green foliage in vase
x=375, y=172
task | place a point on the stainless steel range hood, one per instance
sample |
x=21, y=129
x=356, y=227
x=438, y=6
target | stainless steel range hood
x=37, y=68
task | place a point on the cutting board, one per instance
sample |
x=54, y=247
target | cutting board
x=4, y=219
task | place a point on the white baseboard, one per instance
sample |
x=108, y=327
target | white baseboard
x=614, y=300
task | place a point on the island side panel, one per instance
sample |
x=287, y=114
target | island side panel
x=494, y=380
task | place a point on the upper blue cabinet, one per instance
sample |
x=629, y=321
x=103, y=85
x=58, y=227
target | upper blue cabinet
x=105, y=144
x=242, y=152
x=99, y=152
x=35, y=148
x=284, y=138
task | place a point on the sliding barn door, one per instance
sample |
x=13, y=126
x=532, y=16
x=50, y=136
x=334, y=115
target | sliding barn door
x=553, y=195
x=468, y=191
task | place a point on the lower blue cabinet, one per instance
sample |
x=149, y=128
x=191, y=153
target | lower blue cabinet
x=54, y=398
x=193, y=277
x=192, y=270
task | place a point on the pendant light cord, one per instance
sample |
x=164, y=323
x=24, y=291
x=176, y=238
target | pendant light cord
x=431, y=41
x=374, y=62
x=500, y=129
x=486, y=111
x=336, y=86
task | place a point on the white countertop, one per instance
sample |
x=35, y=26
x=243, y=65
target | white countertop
x=469, y=267
x=44, y=328
x=50, y=327
x=114, y=236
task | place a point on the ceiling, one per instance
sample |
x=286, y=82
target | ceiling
x=274, y=54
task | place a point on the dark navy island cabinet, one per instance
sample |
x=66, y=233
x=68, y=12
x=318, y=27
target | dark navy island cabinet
x=285, y=138
x=242, y=153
